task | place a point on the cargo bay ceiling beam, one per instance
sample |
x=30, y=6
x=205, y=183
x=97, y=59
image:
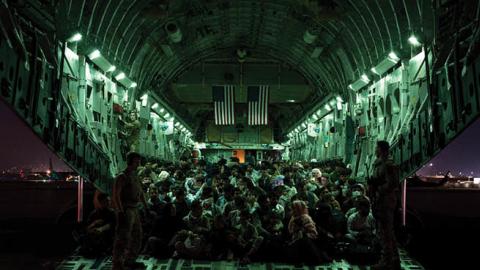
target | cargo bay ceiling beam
x=330, y=42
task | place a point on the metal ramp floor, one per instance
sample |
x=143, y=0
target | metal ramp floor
x=81, y=263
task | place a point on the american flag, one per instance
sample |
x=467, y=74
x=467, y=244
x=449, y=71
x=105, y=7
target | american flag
x=223, y=100
x=257, y=100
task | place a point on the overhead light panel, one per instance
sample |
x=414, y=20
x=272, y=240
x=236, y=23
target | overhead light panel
x=133, y=85
x=414, y=41
x=95, y=54
x=393, y=56
x=360, y=83
x=120, y=76
x=339, y=99
x=162, y=110
x=154, y=106
x=144, y=96
x=76, y=37
x=327, y=107
x=365, y=78
x=172, y=118
x=111, y=68
x=386, y=64
x=167, y=115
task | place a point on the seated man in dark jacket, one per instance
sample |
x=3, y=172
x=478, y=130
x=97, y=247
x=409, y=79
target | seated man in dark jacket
x=100, y=228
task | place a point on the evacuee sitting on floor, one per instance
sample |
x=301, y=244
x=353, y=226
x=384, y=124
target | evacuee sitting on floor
x=304, y=235
x=361, y=224
x=98, y=235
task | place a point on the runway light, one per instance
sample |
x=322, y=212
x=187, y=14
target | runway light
x=133, y=85
x=120, y=76
x=111, y=69
x=94, y=54
x=76, y=37
x=414, y=41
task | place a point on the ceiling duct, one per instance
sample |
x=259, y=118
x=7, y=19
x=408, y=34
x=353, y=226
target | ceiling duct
x=173, y=32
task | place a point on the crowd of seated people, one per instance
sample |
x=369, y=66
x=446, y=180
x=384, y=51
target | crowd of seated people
x=303, y=212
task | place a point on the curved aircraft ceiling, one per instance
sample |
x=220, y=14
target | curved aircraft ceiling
x=344, y=38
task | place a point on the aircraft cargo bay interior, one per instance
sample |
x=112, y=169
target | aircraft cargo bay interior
x=240, y=134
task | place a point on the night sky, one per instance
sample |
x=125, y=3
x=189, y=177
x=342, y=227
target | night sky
x=20, y=147
x=462, y=155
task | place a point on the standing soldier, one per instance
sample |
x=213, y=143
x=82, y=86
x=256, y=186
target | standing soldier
x=127, y=195
x=383, y=187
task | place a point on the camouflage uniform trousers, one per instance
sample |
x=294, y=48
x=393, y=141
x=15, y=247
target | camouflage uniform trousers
x=128, y=238
x=384, y=215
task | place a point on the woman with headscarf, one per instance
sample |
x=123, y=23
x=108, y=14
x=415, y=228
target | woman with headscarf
x=304, y=236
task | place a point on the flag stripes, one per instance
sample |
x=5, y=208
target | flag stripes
x=257, y=99
x=223, y=102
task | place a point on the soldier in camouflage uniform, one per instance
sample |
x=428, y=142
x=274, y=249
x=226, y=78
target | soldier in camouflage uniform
x=127, y=195
x=383, y=189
